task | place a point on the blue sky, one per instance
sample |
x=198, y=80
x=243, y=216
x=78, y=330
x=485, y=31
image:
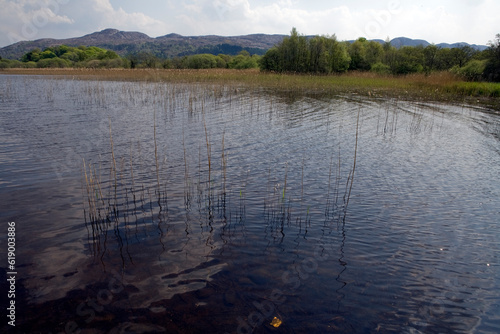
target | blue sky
x=471, y=21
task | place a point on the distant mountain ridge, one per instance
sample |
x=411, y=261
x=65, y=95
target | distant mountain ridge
x=175, y=45
x=404, y=41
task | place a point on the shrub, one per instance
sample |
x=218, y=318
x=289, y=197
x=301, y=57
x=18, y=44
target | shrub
x=29, y=64
x=53, y=63
x=4, y=63
x=472, y=71
x=381, y=68
x=241, y=62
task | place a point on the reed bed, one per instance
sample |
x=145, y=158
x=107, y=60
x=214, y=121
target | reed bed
x=124, y=190
x=442, y=86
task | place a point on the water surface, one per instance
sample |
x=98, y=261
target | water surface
x=153, y=207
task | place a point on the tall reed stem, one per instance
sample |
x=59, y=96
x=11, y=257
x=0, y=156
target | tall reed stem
x=156, y=155
x=354, y=161
x=114, y=163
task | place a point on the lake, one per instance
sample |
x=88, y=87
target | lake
x=203, y=208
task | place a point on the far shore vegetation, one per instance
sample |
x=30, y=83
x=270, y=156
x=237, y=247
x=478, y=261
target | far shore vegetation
x=316, y=65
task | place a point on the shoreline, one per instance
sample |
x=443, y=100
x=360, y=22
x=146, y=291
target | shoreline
x=437, y=87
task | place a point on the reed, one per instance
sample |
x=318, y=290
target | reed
x=209, y=151
x=217, y=199
x=441, y=86
x=113, y=171
x=224, y=165
x=351, y=174
x=156, y=158
x=187, y=193
x=284, y=185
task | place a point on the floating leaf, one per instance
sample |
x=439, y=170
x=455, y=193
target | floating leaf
x=276, y=322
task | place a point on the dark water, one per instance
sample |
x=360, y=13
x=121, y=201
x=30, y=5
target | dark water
x=151, y=208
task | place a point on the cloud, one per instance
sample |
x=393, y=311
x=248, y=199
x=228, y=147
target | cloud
x=34, y=19
x=23, y=20
x=105, y=16
x=230, y=17
x=446, y=21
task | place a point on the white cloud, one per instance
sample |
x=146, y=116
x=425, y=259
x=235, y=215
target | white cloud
x=33, y=19
x=436, y=21
x=22, y=20
x=108, y=17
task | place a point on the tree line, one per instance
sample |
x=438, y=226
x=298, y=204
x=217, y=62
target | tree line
x=67, y=56
x=295, y=54
x=324, y=54
x=93, y=57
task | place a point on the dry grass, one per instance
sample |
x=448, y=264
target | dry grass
x=441, y=86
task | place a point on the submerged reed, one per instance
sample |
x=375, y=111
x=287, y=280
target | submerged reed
x=214, y=193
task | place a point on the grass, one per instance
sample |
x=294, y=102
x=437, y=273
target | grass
x=442, y=86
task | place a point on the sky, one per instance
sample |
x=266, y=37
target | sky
x=471, y=21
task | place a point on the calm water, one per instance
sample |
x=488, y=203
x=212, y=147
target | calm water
x=151, y=208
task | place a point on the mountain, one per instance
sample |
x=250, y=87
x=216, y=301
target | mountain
x=458, y=45
x=403, y=41
x=175, y=45
x=171, y=45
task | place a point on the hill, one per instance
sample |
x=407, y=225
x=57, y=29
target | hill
x=174, y=45
x=403, y=41
x=171, y=45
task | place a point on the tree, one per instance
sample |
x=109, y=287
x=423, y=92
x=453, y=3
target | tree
x=472, y=71
x=444, y=59
x=387, y=44
x=339, y=56
x=462, y=55
x=55, y=62
x=294, y=52
x=33, y=55
x=492, y=68
x=47, y=54
x=318, y=55
x=244, y=61
x=430, y=53
x=272, y=60
x=61, y=50
x=357, y=52
x=408, y=60
x=374, y=52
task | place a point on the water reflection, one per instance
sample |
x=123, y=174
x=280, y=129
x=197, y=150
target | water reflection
x=210, y=208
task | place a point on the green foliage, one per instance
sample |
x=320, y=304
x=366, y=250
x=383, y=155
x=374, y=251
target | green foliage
x=53, y=63
x=33, y=55
x=381, y=68
x=374, y=52
x=430, y=58
x=271, y=60
x=295, y=54
x=4, y=63
x=29, y=64
x=408, y=60
x=340, y=58
x=492, y=68
x=47, y=54
x=67, y=56
x=357, y=52
x=202, y=61
x=472, y=71
x=244, y=61
x=320, y=54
